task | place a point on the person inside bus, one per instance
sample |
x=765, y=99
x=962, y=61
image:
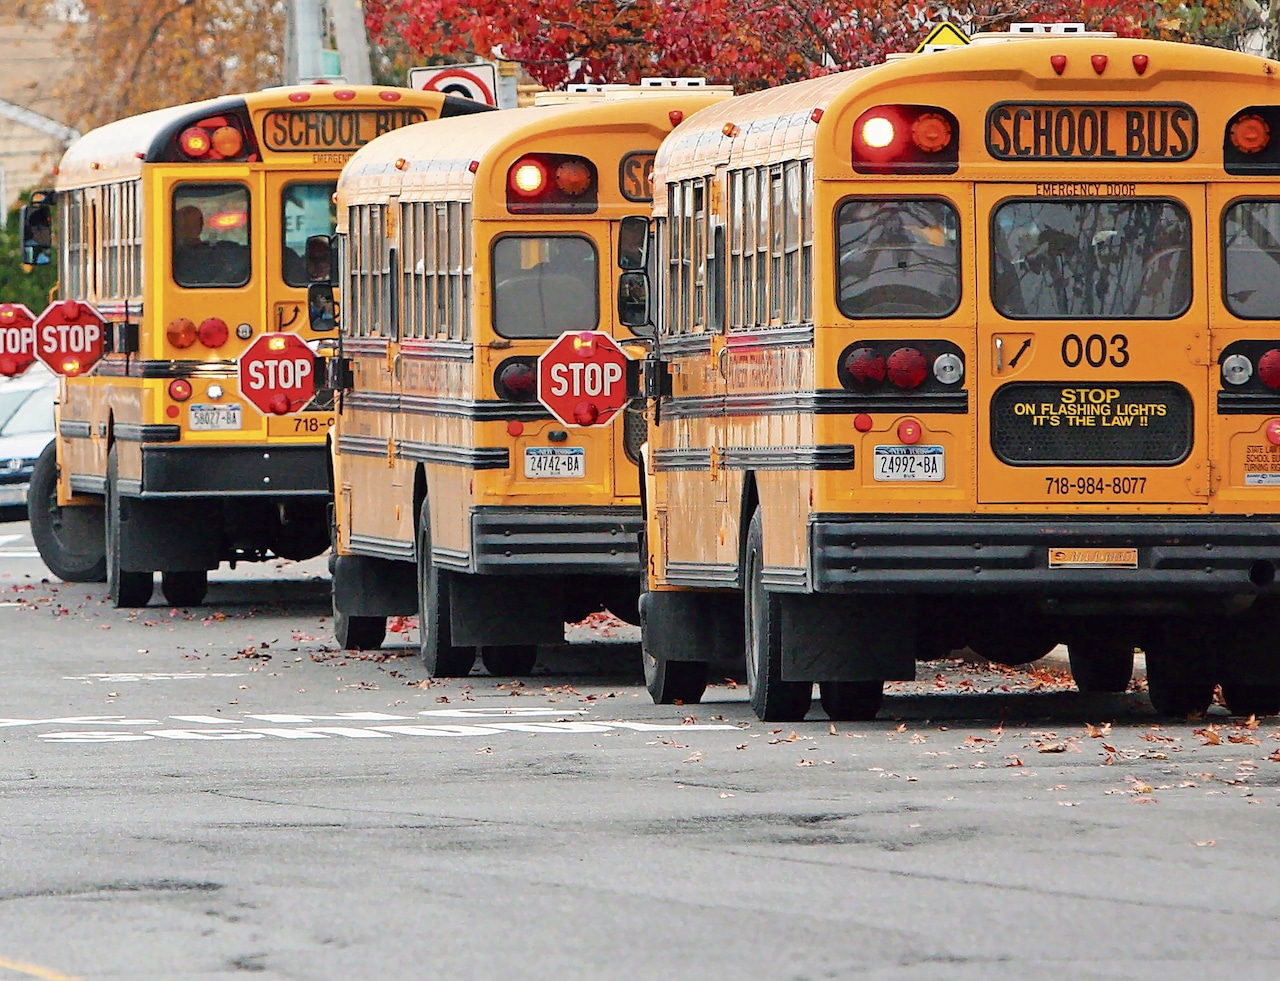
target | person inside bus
x=191, y=253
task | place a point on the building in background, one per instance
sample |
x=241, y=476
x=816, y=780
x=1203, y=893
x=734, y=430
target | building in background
x=31, y=134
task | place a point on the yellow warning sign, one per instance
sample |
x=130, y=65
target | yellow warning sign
x=945, y=35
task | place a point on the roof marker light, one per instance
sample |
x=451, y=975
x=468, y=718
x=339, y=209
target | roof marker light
x=299, y=96
x=730, y=130
x=1059, y=63
x=1099, y=63
x=344, y=95
x=816, y=115
x=1140, y=64
x=389, y=96
x=473, y=166
x=676, y=116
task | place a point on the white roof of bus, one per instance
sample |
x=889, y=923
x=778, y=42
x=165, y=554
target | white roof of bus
x=436, y=155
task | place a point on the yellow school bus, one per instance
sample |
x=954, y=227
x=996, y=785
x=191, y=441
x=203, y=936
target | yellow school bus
x=971, y=347
x=195, y=231
x=466, y=251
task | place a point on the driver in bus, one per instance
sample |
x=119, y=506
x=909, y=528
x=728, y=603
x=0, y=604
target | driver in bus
x=190, y=251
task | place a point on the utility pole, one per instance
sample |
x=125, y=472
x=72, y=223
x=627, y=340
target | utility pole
x=309, y=23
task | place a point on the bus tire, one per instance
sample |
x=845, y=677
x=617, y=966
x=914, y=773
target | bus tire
x=773, y=699
x=1251, y=699
x=359, y=633
x=125, y=588
x=439, y=656
x=851, y=701
x=510, y=660
x=184, y=588
x=71, y=540
x=1180, y=677
x=1179, y=699
x=1101, y=658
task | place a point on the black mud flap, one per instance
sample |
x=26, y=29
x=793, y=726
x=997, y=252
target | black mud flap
x=847, y=638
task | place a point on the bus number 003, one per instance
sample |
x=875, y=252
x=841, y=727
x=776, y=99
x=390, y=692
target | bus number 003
x=1096, y=350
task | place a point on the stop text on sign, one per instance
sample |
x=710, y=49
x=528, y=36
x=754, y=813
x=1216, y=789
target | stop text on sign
x=70, y=338
x=585, y=378
x=289, y=373
x=1097, y=131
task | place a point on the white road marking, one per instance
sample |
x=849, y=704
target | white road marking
x=6, y=539
x=152, y=676
x=19, y=553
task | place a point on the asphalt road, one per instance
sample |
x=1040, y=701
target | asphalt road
x=216, y=792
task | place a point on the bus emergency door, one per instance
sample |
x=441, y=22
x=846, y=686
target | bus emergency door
x=1092, y=375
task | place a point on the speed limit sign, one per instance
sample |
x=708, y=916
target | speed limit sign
x=478, y=82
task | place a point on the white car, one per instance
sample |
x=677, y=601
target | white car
x=26, y=427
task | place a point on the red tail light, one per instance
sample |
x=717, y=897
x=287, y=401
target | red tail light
x=213, y=332
x=907, y=367
x=516, y=380
x=865, y=366
x=179, y=389
x=1269, y=368
x=906, y=139
x=552, y=183
x=181, y=332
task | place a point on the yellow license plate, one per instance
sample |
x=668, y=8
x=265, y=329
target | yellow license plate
x=1093, y=558
x=301, y=425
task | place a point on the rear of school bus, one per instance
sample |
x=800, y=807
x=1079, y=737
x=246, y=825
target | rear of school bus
x=196, y=232
x=1045, y=360
x=459, y=497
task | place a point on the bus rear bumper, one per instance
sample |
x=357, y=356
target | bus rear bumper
x=945, y=554
x=220, y=471
x=548, y=540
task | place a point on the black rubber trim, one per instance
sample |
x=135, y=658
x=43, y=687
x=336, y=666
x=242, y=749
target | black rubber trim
x=234, y=471
x=826, y=402
x=1010, y=553
x=547, y=540
x=88, y=483
x=135, y=368
x=787, y=458
x=382, y=548
x=1248, y=404
x=473, y=457
x=708, y=574
x=673, y=459
x=75, y=428
x=483, y=410
x=132, y=432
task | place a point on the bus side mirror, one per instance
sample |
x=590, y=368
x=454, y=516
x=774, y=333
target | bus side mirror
x=37, y=235
x=633, y=243
x=321, y=309
x=320, y=256
x=633, y=303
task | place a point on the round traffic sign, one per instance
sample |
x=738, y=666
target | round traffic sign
x=460, y=82
x=70, y=337
x=582, y=378
x=277, y=373
x=17, y=338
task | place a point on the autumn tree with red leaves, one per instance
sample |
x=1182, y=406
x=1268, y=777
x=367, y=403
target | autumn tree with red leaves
x=747, y=43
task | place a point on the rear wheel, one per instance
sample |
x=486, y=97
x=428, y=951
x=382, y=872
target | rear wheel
x=672, y=682
x=125, y=588
x=773, y=699
x=439, y=656
x=359, y=633
x=1101, y=658
x=851, y=701
x=71, y=540
x=184, y=588
x=509, y=661
x=1251, y=699
x=1179, y=679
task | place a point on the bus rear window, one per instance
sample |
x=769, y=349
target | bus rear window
x=1105, y=260
x=211, y=235
x=307, y=210
x=898, y=258
x=544, y=285
x=1251, y=248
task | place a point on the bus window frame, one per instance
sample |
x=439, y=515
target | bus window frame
x=959, y=247
x=284, y=231
x=533, y=235
x=991, y=266
x=248, y=220
x=1222, y=246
